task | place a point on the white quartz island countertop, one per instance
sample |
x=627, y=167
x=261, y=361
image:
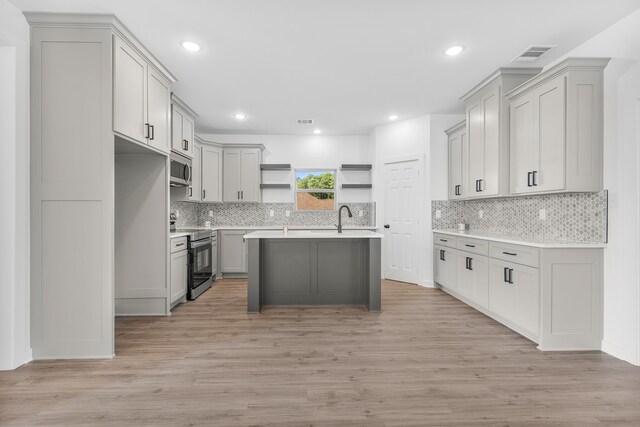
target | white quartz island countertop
x=538, y=243
x=313, y=234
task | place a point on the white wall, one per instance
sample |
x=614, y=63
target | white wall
x=315, y=151
x=15, y=348
x=621, y=161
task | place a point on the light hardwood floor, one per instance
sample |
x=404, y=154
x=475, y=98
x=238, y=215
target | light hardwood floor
x=427, y=359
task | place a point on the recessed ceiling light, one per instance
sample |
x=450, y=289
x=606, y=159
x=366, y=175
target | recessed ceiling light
x=191, y=46
x=239, y=116
x=317, y=131
x=454, y=50
x=394, y=117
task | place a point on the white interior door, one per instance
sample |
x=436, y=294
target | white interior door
x=401, y=222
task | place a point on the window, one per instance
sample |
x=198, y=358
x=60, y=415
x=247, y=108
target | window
x=315, y=189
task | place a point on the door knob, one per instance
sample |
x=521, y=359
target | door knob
x=387, y=226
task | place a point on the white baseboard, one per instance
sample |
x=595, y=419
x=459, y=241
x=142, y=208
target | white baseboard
x=427, y=284
x=617, y=351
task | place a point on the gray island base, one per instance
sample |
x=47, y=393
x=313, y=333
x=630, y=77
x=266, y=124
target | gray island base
x=316, y=267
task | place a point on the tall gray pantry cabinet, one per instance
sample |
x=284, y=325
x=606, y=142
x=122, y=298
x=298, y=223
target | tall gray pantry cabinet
x=100, y=111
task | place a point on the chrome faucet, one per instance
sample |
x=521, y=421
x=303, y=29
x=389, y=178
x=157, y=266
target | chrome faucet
x=340, y=216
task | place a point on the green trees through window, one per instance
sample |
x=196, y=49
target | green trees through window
x=321, y=180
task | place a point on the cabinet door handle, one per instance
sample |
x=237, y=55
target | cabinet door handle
x=480, y=184
x=477, y=186
x=153, y=133
x=190, y=191
x=204, y=193
x=238, y=195
x=466, y=263
x=529, y=179
x=146, y=130
x=511, y=275
x=242, y=194
x=184, y=145
x=441, y=255
x=506, y=275
x=535, y=178
x=510, y=253
x=470, y=263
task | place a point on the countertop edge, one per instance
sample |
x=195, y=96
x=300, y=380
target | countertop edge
x=549, y=245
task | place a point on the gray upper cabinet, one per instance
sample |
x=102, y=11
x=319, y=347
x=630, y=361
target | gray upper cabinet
x=556, y=129
x=211, y=173
x=487, y=132
x=141, y=103
x=182, y=127
x=458, y=148
x=195, y=191
x=242, y=174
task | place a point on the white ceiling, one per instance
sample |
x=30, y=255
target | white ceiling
x=346, y=64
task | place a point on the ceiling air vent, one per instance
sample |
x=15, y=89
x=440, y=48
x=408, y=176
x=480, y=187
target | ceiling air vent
x=533, y=53
x=305, y=121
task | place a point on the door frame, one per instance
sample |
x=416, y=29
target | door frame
x=419, y=248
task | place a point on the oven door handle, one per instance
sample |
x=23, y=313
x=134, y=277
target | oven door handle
x=200, y=243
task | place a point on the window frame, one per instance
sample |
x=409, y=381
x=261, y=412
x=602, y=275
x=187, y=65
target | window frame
x=297, y=190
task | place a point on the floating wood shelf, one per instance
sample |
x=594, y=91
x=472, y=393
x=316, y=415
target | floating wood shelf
x=275, y=186
x=275, y=167
x=356, y=186
x=355, y=167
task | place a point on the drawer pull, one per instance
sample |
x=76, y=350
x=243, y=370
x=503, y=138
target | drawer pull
x=510, y=253
x=179, y=244
x=470, y=246
x=443, y=240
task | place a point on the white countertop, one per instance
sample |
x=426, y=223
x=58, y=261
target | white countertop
x=176, y=234
x=314, y=234
x=501, y=237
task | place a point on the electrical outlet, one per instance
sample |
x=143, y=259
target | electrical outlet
x=271, y=213
x=360, y=213
x=287, y=213
x=438, y=214
x=480, y=214
x=210, y=214
x=207, y=223
x=543, y=214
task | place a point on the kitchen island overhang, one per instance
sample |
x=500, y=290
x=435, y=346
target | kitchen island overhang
x=315, y=267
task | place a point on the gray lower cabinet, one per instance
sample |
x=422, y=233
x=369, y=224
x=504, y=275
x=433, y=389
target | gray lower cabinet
x=515, y=296
x=445, y=266
x=179, y=270
x=473, y=278
x=553, y=296
x=233, y=252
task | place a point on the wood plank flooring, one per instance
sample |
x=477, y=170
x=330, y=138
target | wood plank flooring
x=427, y=359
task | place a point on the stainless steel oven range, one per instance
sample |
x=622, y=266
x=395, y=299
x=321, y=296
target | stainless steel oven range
x=202, y=261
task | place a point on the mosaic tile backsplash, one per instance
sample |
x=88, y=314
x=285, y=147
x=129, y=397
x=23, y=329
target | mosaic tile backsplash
x=257, y=214
x=574, y=217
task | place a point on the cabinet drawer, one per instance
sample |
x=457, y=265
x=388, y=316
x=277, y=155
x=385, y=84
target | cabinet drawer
x=178, y=244
x=480, y=247
x=444, y=240
x=515, y=253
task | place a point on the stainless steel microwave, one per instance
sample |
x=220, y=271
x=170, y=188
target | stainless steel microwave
x=180, y=171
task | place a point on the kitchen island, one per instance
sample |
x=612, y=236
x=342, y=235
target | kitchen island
x=314, y=267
